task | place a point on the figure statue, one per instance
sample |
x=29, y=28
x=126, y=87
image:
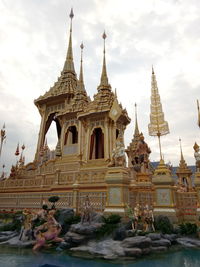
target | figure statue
x=46, y=238
x=86, y=212
x=48, y=232
x=197, y=156
x=26, y=230
x=142, y=155
x=148, y=219
x=118, y=154
x=137, y=215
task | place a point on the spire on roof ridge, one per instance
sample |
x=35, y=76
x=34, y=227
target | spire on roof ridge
x=104, y=78
x=81, y=81
x=69, y=63
x=136, y=122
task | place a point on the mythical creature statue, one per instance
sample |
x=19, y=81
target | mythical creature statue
x=48, y=232
x=141, y=157
x=118, y=154
x=86, y=211
x=197, y=156
x=148, y=219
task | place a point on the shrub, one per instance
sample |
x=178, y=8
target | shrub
x=112, y=219
x=110, y=224
x=53, y=200
x=188, y=228
x=163, y=224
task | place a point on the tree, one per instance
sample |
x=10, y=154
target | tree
x=53, y=200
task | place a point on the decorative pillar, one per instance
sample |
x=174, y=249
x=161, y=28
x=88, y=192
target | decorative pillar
x=164, y=192
x=117, y=190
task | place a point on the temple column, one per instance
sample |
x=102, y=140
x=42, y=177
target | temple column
x=106, y=141
x=164, y=193
x=117, y=181
x=40, y=135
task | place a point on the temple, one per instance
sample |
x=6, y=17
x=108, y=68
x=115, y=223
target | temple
x=90, y=158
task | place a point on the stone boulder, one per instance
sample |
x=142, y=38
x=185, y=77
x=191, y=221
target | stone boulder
x=154, y=236
x=96, y=217
x=85, y=228
x=64, y=214
x=15, y=242
x=188, y=242
x=74, y=239
x=133, y=252
x=137, y=241
x=172, y=238
x=6, y=235
x=106, y=249
x=161, y=242
x=159, y=249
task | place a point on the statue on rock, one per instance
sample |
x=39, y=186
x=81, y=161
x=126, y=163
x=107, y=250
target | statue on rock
x=86, y=211
x=141, y=159
x=118, y=154
x=148, y=219
x=197, y=156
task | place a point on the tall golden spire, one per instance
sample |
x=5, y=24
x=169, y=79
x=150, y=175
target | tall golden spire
x=157, y=126
x=182, y=158
x=136, y=122
x=104, y=78
x=69, y=63
x=81, y=85
x=198, y=113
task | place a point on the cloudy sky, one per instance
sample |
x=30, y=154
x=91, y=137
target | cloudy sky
x=165, y=33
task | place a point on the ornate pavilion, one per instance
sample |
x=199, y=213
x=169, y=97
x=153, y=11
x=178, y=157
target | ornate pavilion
x=89, y=158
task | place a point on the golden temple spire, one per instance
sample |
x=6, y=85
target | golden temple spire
x=81, y=81
x=104, y=78
x=69, y=63
x=157, y=126
x=198, y=113
x=136, y=122
x=182, y=158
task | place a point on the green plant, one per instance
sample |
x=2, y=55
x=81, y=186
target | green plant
x=110, y=224
x=188, y=228
x=163, y=224
x=112, y=219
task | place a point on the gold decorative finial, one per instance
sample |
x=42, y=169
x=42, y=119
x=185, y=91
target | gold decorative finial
x=157, y=126
x=71, y=15
x=104, y=78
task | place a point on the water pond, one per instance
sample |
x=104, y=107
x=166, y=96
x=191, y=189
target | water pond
x=26, y=258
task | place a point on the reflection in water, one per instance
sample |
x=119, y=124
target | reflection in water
x=26, y=258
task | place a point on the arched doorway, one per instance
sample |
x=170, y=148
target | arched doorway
x=97, y=144
x=71, y=136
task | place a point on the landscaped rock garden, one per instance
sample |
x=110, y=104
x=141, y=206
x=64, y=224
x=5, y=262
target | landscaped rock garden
x=107, y=237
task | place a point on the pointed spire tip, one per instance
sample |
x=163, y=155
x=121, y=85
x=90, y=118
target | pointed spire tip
x=71, y=15
x=104, y=36
x=152, y=70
